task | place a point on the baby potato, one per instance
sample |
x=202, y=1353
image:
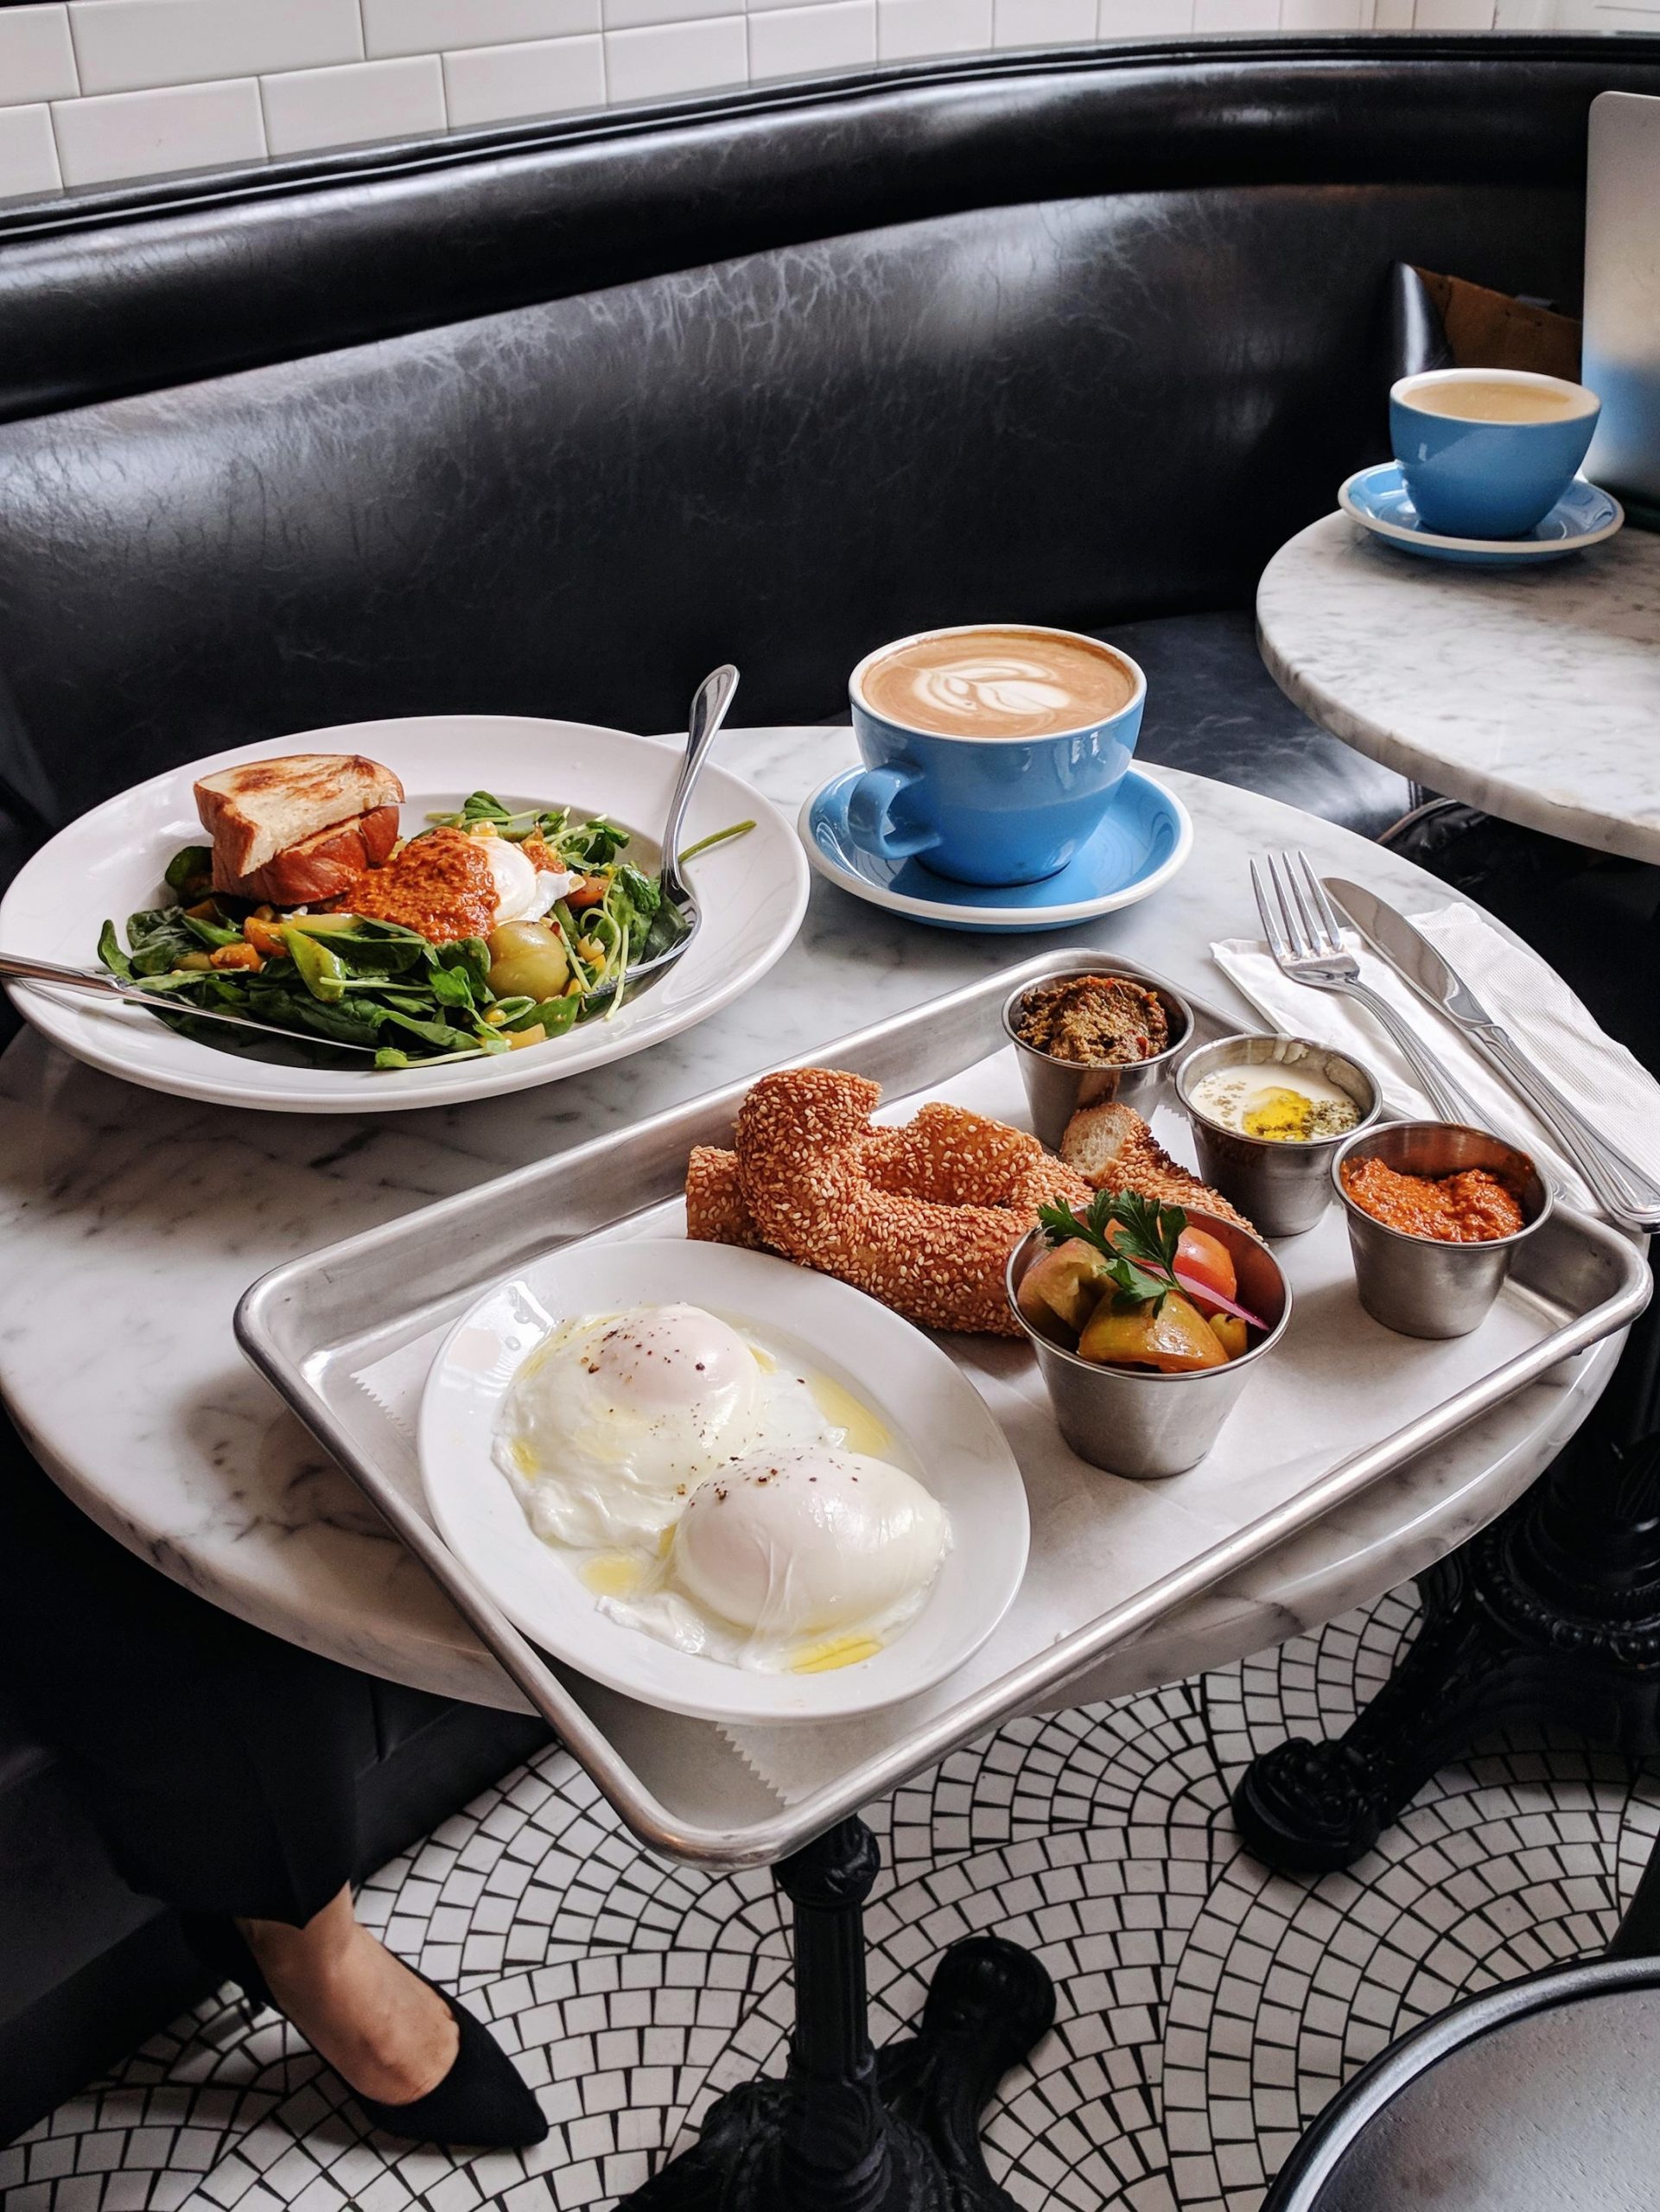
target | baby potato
x=527, y=957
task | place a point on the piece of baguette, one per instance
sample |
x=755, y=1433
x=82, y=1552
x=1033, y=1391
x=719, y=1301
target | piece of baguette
x=322, y=867
x=1112, y=1148
x=256, y=812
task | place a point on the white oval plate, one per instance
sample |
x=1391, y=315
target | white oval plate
x=754, y=892
x=939, y=1423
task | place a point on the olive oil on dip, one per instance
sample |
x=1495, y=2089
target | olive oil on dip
x=1283, y=1105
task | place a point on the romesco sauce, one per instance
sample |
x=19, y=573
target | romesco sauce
x=1472, y=1207
x=441, y=884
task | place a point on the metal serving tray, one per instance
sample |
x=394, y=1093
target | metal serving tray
x=315, y=1325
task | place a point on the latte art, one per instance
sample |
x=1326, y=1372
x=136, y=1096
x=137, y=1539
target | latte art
x=998, y=684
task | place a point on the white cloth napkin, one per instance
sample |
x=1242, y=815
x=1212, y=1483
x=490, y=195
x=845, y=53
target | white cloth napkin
x=1611, y=1088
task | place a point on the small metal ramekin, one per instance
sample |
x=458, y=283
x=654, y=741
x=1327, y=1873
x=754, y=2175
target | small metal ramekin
x=1135, y=1421
x=1283, y=1185
x=1417, y=1285
x=1056, y=1088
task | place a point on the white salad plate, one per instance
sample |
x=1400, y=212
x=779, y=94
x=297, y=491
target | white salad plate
x=941, y=1430
x=752, y=894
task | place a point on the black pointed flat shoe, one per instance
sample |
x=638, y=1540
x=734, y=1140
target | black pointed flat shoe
x=482, y=2103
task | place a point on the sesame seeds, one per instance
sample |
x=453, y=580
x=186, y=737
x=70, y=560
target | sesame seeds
x=923, y=1218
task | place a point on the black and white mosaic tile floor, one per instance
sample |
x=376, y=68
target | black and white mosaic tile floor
x=1208, y=2009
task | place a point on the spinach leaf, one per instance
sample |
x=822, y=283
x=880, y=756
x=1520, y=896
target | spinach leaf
x=451, y=987
x=471, y=955
x=211, y=934
x=556, y=1015
x=321, y=971
x=110, y=952
x=159, y=937
x=190, y=864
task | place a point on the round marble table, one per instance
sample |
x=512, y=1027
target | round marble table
x=132, y=1222
x=1533, y=694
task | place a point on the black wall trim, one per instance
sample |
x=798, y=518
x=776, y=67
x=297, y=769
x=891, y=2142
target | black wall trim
x=114, y=293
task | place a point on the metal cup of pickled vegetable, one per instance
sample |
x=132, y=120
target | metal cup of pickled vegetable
x=1436, y=1214
x=1268, y=1113
x=1147, y=1321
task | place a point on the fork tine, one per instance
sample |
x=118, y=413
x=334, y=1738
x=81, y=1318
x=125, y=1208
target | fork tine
x=1271, y=930
x=1330, y=928
x=1308, y=931
x=1296, y=932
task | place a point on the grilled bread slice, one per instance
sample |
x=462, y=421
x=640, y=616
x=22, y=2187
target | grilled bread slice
x=1113, y=1149
x=259, y=810
x=323, y=866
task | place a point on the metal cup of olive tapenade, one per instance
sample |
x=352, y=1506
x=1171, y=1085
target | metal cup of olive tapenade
x=1283, y=1183
x=1058, y=1022
x=1424, y=1285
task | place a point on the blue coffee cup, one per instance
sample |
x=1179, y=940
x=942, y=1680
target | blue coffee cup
x=990, y=810
x=1476, y=476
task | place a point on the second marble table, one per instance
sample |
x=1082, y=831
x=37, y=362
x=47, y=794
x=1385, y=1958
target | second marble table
x=1531, y=693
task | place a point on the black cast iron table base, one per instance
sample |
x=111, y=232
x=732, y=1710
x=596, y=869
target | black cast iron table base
x=848, y=2128
x=1551, y=1615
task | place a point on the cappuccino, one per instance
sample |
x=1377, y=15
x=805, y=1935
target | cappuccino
x=998, y=684
x=1496, y=401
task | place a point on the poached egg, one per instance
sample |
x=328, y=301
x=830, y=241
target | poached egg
x=713, y=1496
x=524, y=893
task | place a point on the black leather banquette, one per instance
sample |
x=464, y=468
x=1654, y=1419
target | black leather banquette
x=550, y=420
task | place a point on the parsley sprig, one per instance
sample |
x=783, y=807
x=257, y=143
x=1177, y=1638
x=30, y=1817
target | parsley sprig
x=1141, y=1259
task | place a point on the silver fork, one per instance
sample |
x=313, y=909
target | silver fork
x=1307, y=942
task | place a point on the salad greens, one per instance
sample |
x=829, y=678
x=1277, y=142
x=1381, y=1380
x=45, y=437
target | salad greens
x=348, y=979
x=1140, y=1260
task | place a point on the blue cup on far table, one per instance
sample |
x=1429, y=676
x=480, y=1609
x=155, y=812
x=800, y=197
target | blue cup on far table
x=993, y=801
x=1487, y=452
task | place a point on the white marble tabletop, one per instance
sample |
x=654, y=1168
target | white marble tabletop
x=1532, y=693
x=132, y=1222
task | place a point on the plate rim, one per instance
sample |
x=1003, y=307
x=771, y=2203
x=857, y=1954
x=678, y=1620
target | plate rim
x=1013, y=920
x=231, y=1087
x=1499, y=551
x=919, y=1340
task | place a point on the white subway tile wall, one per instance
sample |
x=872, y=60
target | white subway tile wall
x=500, y=84
x=98, y=91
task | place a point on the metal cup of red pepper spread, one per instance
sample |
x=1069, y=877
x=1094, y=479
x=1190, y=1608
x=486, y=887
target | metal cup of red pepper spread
x=1437, y=1213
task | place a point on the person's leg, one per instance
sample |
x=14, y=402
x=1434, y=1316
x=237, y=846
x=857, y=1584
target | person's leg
x=380, y=2027
x=219, y=1765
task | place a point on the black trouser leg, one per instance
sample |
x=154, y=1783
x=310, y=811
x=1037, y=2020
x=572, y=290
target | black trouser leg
x=219, y=1763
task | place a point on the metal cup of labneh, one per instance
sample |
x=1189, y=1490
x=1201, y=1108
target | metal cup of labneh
x=1267, y=1114
x=1056, y=1088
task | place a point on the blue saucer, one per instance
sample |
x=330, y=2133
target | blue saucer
x=1378, y=499
x=1144, y=839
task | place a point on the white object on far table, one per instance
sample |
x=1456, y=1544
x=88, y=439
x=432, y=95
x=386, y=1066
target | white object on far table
x=133, y=1223
x=110, y=862
x=941, y=1429
x=1622, y=292
x=1535, y=695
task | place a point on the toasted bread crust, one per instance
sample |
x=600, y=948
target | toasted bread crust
x=257, y=810
x=1112, y=1148
x=325, y=866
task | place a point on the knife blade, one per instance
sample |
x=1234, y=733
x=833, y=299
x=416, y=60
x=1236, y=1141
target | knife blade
x=1621, y=1187
x=1409, y=952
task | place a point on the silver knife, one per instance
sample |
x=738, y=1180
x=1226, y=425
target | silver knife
x=18, y=968
x=1621, y=1186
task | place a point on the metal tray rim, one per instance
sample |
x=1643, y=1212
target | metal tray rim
x=258, y=1323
